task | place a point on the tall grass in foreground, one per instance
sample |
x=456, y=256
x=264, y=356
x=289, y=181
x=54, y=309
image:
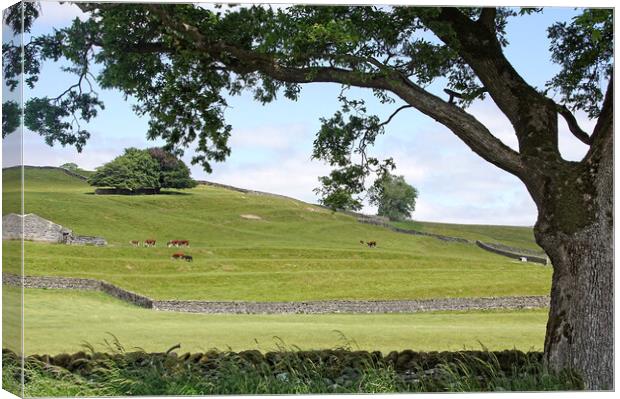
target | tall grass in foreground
x=287, y=371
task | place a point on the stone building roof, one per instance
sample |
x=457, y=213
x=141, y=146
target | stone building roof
x=37, y=228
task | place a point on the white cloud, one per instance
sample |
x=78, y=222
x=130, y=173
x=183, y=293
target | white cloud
x=275, y=138
x=99, y=149
x=54, y=14
x=294, y=176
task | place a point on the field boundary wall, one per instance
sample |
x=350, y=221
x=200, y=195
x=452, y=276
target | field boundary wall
x=305, y=307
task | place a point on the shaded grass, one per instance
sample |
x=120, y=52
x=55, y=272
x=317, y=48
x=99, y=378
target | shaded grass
x=60, y=321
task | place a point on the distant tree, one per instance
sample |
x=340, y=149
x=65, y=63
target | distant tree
x=135, y=169
x=394, y=197
x=173, y=173
x=70, y=166
x=335, y=191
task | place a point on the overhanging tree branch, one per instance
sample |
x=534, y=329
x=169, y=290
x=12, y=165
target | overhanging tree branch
x=243, y=61
x=573, y=125
x=532, y=115
x=389, y=119
x=487, y=18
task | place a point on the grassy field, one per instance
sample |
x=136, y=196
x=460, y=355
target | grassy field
x=77, y=317
x=514, y=236
x=296, y=251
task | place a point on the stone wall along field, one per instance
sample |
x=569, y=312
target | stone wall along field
x=308, y=307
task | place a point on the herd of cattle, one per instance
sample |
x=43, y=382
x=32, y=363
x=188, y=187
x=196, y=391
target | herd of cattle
x=171, y=243
x=185, y=243
x=151, y=243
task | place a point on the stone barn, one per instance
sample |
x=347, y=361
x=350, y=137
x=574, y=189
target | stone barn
x=39, y=229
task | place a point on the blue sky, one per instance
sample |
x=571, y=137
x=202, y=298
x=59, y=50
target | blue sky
x=271, y=145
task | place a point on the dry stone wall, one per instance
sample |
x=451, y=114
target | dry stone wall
x=67, y=171
x=383, y=222
x=338, y=367
x=309, y=307
x=51, y=282
x=521, y=256
x=124, y=191
x=340, y=306
x=70, y=283
x=499, y=249
x=243, y=190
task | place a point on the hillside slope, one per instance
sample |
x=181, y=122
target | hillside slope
x=513, y=236
x=294, y=252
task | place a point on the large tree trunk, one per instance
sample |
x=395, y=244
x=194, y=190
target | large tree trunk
x=580, y=327
x=575, y=227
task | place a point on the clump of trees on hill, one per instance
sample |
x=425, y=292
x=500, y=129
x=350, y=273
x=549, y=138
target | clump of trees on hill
x=173, y=173
x=70, y=166
x=393, y=196
x=151, y=169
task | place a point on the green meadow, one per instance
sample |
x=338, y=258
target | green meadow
x=258, y=248
x=77, y=317
x=295, y=251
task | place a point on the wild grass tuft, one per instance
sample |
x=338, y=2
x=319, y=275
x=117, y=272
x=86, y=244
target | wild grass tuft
x=123, y=372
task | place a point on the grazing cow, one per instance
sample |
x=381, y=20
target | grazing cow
x=178, y=243
x=149, y=243
x=371, y=244
x=362, y=242
x=188, y=258
x=135, y=243
x=178, y=255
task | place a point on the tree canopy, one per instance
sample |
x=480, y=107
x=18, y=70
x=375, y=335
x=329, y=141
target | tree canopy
x=173, y=173
x=133, y=170
x=70, y=166
x=393, y=196
x=136, y=169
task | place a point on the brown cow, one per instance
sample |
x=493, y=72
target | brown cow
x=178, y=243
x=371, y=244
x=149, y=243
x=178, y=255
x=135, y=243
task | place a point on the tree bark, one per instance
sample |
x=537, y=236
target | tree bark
x=580, y=328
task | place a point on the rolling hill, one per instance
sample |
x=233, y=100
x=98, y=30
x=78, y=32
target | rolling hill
x=252, y=247
x=512, y=236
